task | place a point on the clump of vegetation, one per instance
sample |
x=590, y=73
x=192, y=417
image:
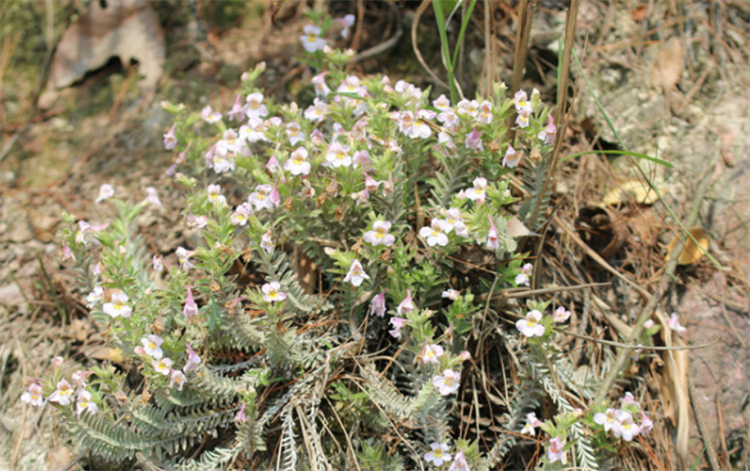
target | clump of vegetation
x=326, y=319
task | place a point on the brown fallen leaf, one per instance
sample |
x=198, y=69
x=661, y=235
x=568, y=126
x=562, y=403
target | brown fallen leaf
x=603, y=229
x=668, y=65
x=631, y=191
x=128, y=29
x=692, y=251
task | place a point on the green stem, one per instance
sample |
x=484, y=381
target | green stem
x=440, y=19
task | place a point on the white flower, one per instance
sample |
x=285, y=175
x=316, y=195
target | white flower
x=266, y=242
x=215, y=196
x=294, y=131
x=239, y=216
x=478, y=192
x=106, y=191
x=430, y=354
x=183, y=257
x=297, y=163
x=511, y=158
x=674, y=324
x=485, y=112
x=261, y=197
x=317, y=111
x=117, y=306
x=178, y=378
x=255, y=107
x=627, y=429
x=530, y=326
x=438, y=455
x=63, y=394
x=230, y=143
x=356, y=274
x=531, y=422
x=163, y=366
x=523, y=105
x=434, y=234
x=459, y=464
x=311, y=40
x=561, y=314
x=253, y=131
x=272, y=292
x=33, y=396
x=152, y=346
x=448, y=382
x=338, y=155
x=152, y=197
x=523, y=278
x=608, y=420
x=407, y=305
x=320, y=85
x=210, y=116
x=84, y=404
x=451, y=294
x=442, y=103
x=193, y=360
x=379, y=234
x=94, y=296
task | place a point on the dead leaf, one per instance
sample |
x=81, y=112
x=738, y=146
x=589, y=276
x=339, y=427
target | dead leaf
x=639, y=14
x=128, y=29
x=516, y=228
x=102, y=352
x=668, y=65
x=692, y=251
x=603, y=229
x=644, y=227
x=58, y=458
x=631, y=191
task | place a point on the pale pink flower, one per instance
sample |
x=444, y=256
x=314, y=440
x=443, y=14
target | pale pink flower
x=85, y=404
x=449, y=118
x=555, y=451
x=266, y=242
x=179, y=379
x=183, y=257
x=253, y=131
x=63, y=395
x=163, y=366
x=273, y=164
x=347, y=21
x=237, y=113
x=294, y=131
x=674, y=324
x=547, y=135
x=297, y=163
x=379, y=234
x=152, y=346
x=467, y=107
x=193, y=359
x=311, y=40
x=407, y=305
x=511, y=158
x=33, y=396
x=628, y=399
x=419, y=129
x=240, y=417
x=254, y=108
x=434, y=234
x=191, y=308
x=522, y=103
x=431, y=354
x=459, y=464
x=478, y=192
x=649, y=324
x=210, y=116
x=451, y=294
x=106, y=191
x=448, y=382
x=561, y=314
x=307, y=190
x=388, y=186
x=361, y=158
x=68, y=254
x=531, y=326
x=522, y=120
x=438, y=455
x=378, y=305
x=646, y=424
x=398, y=323
x=272, y=292
x=356, y=274
x=196, y=222
x=453, y=221
x=474, y=141
x=320, y=85
x=117, y=307
x=170, y=141
x=274, y=196
x=94, y=296
x=524, y=277
x=492, y=236
x=371, y=184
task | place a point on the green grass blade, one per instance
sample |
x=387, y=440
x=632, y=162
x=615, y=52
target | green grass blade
x=461, y=33
x=620, y=152
x=440, y=20
x=640, y=169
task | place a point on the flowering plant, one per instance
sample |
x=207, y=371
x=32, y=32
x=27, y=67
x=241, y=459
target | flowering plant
x=329, y=231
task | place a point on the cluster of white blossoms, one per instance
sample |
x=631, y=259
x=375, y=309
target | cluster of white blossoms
x=620, y=421
x=532, y=325
x=65, y=394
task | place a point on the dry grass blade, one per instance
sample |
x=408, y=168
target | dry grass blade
x=668, y=65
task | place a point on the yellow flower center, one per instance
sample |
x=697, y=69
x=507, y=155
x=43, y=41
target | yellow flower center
x=152, y=345
x=438, y=453
x=118, y=305
x=448, y=381
x=340, y=155
x=318, y=111
x=254, y=105
x=297, y=161
x=272, y=294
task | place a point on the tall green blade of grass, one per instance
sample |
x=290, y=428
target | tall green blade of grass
x=638, y=165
